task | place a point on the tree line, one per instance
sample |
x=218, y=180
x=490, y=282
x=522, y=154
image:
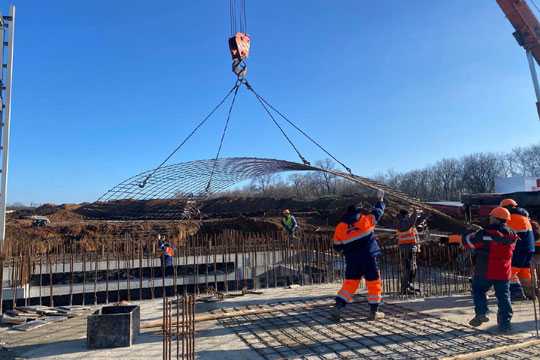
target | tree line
x=447, y=179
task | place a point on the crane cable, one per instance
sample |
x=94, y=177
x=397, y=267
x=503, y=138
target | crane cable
x=267, y=105
x=233, y=89
x=237, y=14
x=236, y=87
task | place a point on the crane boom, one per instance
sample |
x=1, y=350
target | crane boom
x=527, y=35
x=525, y=23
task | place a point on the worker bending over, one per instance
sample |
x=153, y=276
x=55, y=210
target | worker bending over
x=355, y=238
x=407, y=236
x=521, y=282
x=289, y=223
x=493, y=247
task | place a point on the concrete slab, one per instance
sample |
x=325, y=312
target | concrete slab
x=412, y=327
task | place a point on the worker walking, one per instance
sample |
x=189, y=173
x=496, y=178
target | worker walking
x=289, y=223
x=355, y=238
x=493, y=247
x=521, y=282
x=407, y=235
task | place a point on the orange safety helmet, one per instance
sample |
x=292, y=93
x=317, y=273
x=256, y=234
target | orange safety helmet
x=508, y=202
x=500, y=213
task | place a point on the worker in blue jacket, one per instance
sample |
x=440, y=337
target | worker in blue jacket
x=521, y=282
x=355, y=238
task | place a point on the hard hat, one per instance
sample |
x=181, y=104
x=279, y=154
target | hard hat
x=286, y=211
x=508, y=202
x=500, y=213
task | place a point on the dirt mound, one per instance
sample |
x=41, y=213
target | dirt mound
x=90, y=234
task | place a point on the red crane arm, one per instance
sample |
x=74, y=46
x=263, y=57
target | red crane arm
x=526, y=24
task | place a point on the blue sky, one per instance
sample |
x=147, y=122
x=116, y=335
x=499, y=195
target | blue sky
x=105, y=89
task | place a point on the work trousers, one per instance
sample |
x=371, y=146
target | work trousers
x=521, y=281
x=407, y=254
x=358, y=267
x=480, y=287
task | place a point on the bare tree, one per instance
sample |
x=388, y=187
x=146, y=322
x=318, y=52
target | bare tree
x=479, y=172
x=262, y=183
x=328, y=179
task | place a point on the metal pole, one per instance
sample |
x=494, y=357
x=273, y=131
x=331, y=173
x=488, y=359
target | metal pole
x=534, y=77
x=5, y=128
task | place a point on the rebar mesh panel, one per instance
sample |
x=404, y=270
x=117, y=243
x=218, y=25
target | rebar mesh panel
x=190, y=179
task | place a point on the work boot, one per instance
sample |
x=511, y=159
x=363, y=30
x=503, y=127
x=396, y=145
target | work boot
x=478, y=320
x=516, y=292
x=375, y=315
x=336, y=312
x=505, y=329
x=529, y=292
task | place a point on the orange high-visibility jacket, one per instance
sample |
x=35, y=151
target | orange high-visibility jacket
x=408, y=237
x=347, y=233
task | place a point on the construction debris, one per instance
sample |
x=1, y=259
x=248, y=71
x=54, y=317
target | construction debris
x=31, y=317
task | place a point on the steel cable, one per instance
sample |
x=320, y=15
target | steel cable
x=263, y=100
x=223, y=136
x=235, y=87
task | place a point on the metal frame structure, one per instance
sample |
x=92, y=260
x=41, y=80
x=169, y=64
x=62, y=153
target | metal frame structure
x=189, y=181
x=6, y=78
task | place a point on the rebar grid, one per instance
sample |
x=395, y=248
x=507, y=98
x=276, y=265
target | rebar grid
x=190, y=181
x=309, y=332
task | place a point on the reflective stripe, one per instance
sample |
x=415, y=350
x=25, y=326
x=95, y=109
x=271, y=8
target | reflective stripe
x=468, y=242
x=345, y=295
x=407, y=237
x=374, y=299
x=487, y=238
x=358, y=237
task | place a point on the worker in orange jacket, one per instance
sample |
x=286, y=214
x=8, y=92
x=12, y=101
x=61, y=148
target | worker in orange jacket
x=521, y=282
x=407, y=236
x=355, y=238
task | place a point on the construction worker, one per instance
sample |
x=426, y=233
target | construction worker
x=521, y=284
x=167, y=253
x=407, y=236
x=289, y=223
x=536, y=261
x=355, y=238
x=493, y=247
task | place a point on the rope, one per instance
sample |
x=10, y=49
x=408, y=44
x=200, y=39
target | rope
x=263, y=104
x=235, y=87
x=263, y=100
